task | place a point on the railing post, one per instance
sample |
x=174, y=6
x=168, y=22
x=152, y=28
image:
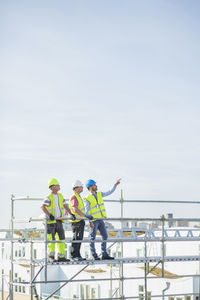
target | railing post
x=46, y=244
x=111, y=288
x=2, y=285
x=163, y=245
x=12, y=246
x=31, y=265
x=145, y=268
x=122, y=250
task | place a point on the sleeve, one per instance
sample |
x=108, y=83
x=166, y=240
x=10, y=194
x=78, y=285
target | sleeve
x=87, y=207
x=74, y=201
x=46, y=202
x=64, y=201
x=104, y=194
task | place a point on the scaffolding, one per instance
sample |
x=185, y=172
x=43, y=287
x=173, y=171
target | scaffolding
x=152, y=235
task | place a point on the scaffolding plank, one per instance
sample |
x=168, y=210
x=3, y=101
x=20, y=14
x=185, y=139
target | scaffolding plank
x=126, y=260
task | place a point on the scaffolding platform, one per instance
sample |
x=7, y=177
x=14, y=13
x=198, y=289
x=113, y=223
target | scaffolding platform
x=131, y=260
x=126, y=260
x=162, y=234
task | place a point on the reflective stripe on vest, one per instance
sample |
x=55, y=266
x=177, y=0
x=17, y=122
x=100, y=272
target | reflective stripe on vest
x=51, y=208
x=81, y=207
x=97, y=208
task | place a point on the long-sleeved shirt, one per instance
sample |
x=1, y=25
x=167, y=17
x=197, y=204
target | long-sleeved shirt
x=104, y=194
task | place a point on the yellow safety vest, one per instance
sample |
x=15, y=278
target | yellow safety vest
x=81, y=207
x=97, y=208
x=51, y=207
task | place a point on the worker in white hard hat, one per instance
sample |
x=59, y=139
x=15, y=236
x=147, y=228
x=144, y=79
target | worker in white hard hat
x=54, y=206
x=76, y=205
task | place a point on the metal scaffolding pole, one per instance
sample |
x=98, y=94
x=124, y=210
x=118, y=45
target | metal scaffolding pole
x=12, y=245
x=125, y=201
x=32, y=269
x=114, y=219
x=66, y=282
x=33, y=279
x=122, y=251
x=107, y=279
x=46, y=245
x=145, y=269
x=163, y=245
x=2, y=285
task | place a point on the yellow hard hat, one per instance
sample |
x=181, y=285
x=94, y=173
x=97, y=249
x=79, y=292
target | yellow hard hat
x=53, y=181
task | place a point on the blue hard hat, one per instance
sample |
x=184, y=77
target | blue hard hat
x=89, y=183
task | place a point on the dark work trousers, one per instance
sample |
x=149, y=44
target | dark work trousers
x=54, y=228
x=78, y=232
x=55, y=231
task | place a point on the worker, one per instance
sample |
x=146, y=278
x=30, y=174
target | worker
x=94, y=206
x=54, y=206
x=76, y=205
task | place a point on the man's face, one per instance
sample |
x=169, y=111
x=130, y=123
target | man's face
x=55, y=188
x=93, y=188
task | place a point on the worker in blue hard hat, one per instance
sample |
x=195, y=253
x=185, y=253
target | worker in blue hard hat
x=94, y=206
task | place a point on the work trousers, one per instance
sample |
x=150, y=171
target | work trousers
x=98, y=225
x=55, y=231
x=78, y=232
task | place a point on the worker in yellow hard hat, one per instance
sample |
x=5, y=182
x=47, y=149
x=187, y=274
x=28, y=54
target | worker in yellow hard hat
x=54, y=207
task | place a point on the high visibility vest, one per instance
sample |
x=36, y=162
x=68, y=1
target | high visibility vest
x=51, y=208
x=97, y=208
x=81, y=207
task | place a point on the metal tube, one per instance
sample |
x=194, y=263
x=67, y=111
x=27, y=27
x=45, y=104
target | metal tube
x=37, y=274
x=163, y=245
x=111, y=287
x=12, y=249
x=2, y=285
x=156, y=201
x=31, y=273
x=27, y=198
x=106, y=279
x=163, y=291
x=122, y=250
x=127, y=240
x=125, y=201
x=145, y=269
x=66, y=283
x=46, y=244
x=112, y=219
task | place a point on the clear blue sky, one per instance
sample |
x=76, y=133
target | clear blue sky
x=102, y=90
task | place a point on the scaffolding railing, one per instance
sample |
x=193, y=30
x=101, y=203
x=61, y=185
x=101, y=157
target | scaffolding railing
x=121, y=261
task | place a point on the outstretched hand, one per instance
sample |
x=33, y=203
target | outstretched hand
x=118, y=182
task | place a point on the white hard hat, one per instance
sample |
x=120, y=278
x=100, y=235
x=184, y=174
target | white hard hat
x=76, y=184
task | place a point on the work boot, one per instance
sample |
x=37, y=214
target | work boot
x=51, y=259
x=95, y=257
x=78, y=258
x=63, y=259
x=106, y=256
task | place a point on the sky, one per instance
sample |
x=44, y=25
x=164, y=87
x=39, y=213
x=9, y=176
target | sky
x=101, y=90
